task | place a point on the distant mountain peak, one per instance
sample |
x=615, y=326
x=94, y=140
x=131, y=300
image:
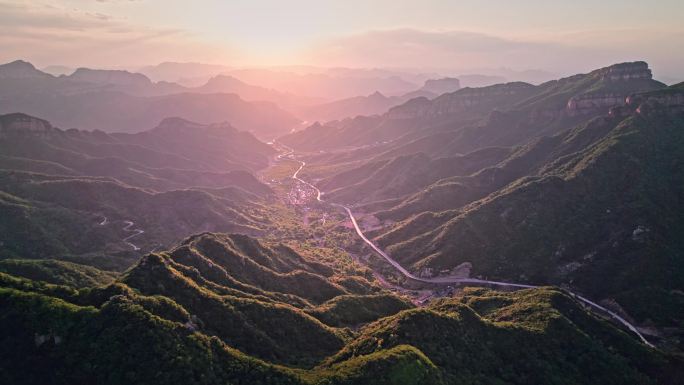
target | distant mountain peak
x=613, y=84
x=626, y=71
x=117, y=77
x=442, y=86
x=20, y=69
x=179, y=124
x=221, y=78
x=175, y=121
x=315, y=125
x=19, y=64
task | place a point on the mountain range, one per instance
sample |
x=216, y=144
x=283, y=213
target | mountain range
x=376, y=103
x=520, y=233
x=188, y=312
x=93, y=183
x=573, y=183
x=492, y=115
x=120, y=101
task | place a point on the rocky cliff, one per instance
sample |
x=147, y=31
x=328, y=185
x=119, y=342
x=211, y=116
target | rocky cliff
x=590, y=103
x=671, y=98
x=612, y=87
x=626, y=71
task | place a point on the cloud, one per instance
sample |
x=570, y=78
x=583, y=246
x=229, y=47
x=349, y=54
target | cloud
x=46, y=32
x=49, y=34
x=453, y=49
x=463, y=51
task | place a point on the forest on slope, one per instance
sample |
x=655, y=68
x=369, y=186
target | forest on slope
x=188, y=253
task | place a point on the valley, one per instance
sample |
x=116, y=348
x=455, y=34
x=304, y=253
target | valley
x=440, y=281
x=512, y=233
x=412, y=220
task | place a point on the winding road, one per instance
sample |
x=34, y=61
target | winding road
x=451, y=280
x=128, y=226
x=136, y=232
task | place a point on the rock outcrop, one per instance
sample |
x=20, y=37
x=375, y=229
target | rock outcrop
x=626, y=71
x=590, y=103
x=22, y=125
x=441, y=86
x=671, y=98
x=616, y=83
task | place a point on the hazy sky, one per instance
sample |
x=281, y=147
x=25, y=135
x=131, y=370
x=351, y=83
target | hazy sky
x=560, y=36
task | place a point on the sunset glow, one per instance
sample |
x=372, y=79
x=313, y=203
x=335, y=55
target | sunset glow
x=444, y=35
x=341, y=192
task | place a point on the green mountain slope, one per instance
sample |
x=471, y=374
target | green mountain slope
x=450, y=148
x=532, y=336
x=403, y=175
x=57, y=272
x=175, y=154
x=229, y=259
x=530, y=159
x=71, y=194
x=194, y=315
x=499, y=115
x=116, y=335
x=80, y=204
x=272, y=331
x=605, y=219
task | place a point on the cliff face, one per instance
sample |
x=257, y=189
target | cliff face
x=613, y=85
x=22, y=125
x=590, y=103
x=671, y=98
x=626, y=71
x=585, y=94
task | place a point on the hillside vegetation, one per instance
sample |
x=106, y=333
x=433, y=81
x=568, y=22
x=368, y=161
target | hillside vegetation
x=531, y=336
x=193, y=253
x=576, y=182
x=71, y=194
x=117, y=335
